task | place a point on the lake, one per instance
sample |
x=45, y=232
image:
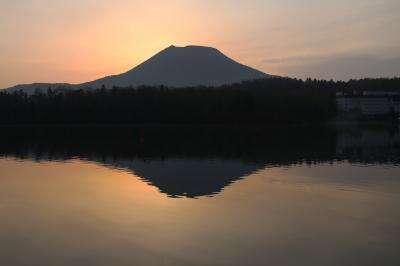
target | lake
x=200, y=196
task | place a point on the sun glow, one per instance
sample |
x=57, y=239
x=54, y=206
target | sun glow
x=78, y=41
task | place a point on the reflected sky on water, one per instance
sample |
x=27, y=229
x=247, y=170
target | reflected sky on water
x=271, y=196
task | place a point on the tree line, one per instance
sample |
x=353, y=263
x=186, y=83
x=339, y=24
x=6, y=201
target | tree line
x=275, y=100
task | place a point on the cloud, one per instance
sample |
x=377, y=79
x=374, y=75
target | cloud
x=339, y=67
x=294, y=59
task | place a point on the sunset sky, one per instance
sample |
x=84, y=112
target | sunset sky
x=81, y=40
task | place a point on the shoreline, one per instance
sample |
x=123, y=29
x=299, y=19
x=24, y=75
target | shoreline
x=201, y=125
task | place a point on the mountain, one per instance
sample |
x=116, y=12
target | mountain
x=183, y=66
x=30, y=88
x=172, y=67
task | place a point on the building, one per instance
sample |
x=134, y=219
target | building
x=369, y=103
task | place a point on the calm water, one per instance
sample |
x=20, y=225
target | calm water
x=281, y=196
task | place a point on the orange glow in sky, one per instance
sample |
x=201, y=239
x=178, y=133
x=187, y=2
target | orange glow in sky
x=77, y=41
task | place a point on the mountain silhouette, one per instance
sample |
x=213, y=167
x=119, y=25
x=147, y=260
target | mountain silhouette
x=181, y=67
x=173, y=67
x=185, y=177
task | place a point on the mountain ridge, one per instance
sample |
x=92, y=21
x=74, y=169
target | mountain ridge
x=173, y=67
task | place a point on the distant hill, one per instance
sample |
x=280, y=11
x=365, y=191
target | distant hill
x=172, y=67
x=30, y=88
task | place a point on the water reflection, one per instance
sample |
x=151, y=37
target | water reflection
x=306, y=196
x=188, y=177
x=196, y=161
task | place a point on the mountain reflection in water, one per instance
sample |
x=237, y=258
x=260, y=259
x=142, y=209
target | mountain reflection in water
x=198, y=161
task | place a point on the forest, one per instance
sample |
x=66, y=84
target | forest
x=273, y=100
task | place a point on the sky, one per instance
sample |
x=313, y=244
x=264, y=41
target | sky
x=81, y=40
